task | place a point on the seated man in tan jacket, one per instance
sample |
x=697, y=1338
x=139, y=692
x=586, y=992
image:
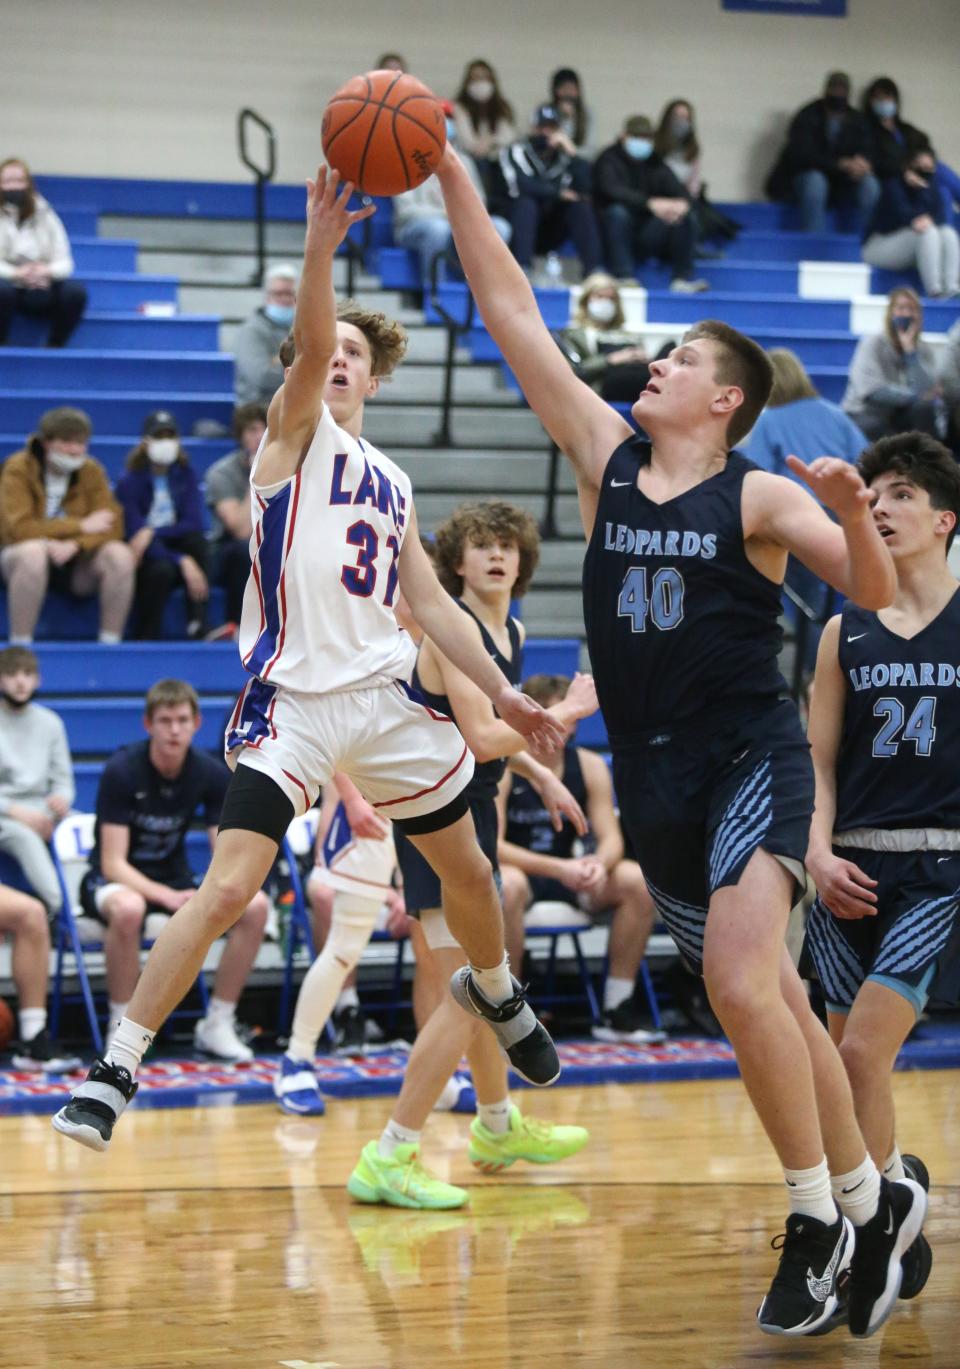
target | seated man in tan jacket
x=61, y=528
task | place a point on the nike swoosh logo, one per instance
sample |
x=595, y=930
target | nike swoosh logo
x=854, y=1188
x=888, y=1229
x=941, y=859
x=619, y=484
x=820, y=1288
x=857, y=638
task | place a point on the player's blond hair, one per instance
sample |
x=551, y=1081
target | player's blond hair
x=386, y=338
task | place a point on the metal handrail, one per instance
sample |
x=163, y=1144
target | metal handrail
x=245, y=118
x=454, y=327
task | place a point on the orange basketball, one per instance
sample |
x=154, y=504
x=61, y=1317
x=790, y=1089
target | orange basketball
x=7, y=1024
x=385, y=132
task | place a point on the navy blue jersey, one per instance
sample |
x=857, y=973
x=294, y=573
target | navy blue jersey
x=679, y=623
x=488, y=774
x=528, y=822
x=897, y=765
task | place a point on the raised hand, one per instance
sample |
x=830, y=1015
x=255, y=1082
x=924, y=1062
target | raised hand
x=836, y=483
x=543, y=733
x=328, y=218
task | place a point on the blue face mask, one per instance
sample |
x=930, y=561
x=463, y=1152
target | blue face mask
x=638, y=148
x=451, y=130
x=281, y=314
x=884, y=109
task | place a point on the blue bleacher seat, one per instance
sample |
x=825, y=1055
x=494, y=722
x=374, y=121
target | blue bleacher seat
x=110, y=411
x=71, y=370
x=104, y=254
x=118, y=290
x=125, y=331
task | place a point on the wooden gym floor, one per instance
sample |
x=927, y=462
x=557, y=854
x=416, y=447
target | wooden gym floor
x=223, y=1237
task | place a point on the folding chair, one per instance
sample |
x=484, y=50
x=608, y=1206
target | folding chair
x=71, y=847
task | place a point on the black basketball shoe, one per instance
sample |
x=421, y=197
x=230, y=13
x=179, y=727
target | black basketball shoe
x=876, y=1273
x=524, y=1041
x=918, y=1261
x=96, y=1105
x=349, y=1031
x=803, y=1296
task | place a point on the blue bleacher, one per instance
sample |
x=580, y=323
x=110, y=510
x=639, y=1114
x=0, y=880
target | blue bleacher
x=114, y=290
x=69, y=370
x=116, y=412
x=116, y=331
x=103, y=254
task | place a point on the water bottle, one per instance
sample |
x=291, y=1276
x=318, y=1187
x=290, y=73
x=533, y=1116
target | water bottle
x=553, y=270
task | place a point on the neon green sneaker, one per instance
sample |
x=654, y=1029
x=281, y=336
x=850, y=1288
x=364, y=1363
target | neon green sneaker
x=400, y=1181
x=527, y=1139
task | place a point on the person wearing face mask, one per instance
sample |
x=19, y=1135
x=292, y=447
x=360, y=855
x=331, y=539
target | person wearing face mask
x=160, y=495
x=892, y=137
x=61, y=528
x=893, y=386
x=35, y=258
x=226, y=489
x=545, y=188
x=420, y=215
x=644, y=210
x=484, y=119
x=566, y=96
x=908, y=228
x=677, y=145
x=258, y=373
x=600, y=347
x=828, y=158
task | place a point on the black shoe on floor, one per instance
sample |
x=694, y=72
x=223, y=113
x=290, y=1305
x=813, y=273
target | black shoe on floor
x=44, y=1055
x=918, y=1261
x=349, y=1031
x=876, y=1273
x=525, y=1041
x=803, y=1297
x=624, y=1023
x=96, y=1105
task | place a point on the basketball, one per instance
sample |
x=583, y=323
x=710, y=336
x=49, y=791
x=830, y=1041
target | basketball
x=7, y=1024
x=385, y=132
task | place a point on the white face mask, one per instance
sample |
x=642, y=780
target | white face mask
x=163, y=450
x=601, y=310
x=64, y=463
x=480, y=90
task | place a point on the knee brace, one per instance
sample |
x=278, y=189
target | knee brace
x=351, y=927
x=436, y=933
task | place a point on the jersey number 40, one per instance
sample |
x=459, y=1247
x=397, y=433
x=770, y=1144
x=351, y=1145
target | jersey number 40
x=662, y=602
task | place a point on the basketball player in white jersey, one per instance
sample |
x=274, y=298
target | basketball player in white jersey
x=335, y=535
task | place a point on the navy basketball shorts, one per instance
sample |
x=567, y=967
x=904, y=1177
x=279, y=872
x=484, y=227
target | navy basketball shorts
x=95, y=889
x=421, y=886
x=905, y=945
x=696, y=802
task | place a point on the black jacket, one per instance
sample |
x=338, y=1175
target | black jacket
x=892, y=148
x=808, y=146
x=619, y=179
x=522, y=171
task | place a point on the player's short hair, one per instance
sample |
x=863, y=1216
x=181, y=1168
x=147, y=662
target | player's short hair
x=924, y=461
x=169, y=694
x=481, y=524
x=387, y=340
x=790, y=379
x=741, y=362
x=546, y=689
x=15, y=658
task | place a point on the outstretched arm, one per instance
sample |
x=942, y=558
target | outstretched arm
x=585, y=428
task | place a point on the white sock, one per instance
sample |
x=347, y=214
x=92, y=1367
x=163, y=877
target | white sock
x=495, y=1116
x=395, y=1135
x=347, y=998
x=448, y=1095
x=893, y=1166
x=32, y=1022
x=495, y=984
x=129, y=1045
x=109, y=638
x=220, y=1010
x=858, y=1192
x=350, y=930
x=116, y=1013
x=809, y=1192
x=615, y=992
x=20, y=641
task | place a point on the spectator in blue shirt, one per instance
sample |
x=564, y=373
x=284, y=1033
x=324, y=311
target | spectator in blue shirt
x=164, y=516
x=908, y=228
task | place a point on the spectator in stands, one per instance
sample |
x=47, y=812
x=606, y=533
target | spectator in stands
x=485, y=121
x=420, y=215
x=60, y=527
x=644, y=210
x=677, y=146
x=227, y=492
x=798, y=421
x=548, y=192
x=163, y=510
x=149, y=795
x=539, y=864
x=893, y=376
x=828, y=158
x=892, y=138
x=907, y=228
x=600, y=347
x=566, y=96
x=391, y=61
x=259, y=373
x=24, y=920
x=949, y=380
x=35, y=258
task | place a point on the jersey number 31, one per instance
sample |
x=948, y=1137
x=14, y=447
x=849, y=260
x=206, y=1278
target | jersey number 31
x=662, y=603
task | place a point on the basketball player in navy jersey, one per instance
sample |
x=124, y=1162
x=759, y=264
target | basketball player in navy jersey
x=885, y=837
x=335, y=536
x=687, y=546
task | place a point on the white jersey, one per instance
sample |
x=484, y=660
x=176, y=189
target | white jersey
x=318, y=607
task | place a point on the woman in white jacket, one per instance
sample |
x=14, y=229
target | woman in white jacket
x=35, y=258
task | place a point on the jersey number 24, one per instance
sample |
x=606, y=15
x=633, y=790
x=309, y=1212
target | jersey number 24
x=661, y=602
x=919, y=729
